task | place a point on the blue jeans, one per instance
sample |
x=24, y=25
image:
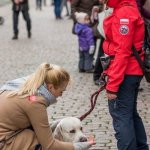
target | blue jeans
x=57, y=8
x=127, y=123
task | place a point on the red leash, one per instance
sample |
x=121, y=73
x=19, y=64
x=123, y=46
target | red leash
x=93, y=102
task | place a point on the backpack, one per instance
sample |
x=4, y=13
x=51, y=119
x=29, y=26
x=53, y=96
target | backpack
x=147, y=50
x=147, y=33
x=145, y=65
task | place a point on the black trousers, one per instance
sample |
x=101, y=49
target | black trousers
x=38, y=147
x=26, y=18
x=98, y=67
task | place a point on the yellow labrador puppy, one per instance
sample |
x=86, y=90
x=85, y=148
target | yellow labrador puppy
x=69, y=129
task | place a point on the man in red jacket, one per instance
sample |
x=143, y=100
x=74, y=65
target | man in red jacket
x=123, y=30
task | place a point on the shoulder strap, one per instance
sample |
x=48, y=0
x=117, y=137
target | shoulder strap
x=138, y=58
x=147, y=32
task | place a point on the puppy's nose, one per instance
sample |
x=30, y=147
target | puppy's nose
x=83, y=139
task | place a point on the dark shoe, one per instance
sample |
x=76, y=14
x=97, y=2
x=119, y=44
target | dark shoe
x=67, y=15
x=29, y=34
x=97, y=82
x=59, y=18
x=89, y=71
x=15, y=37
x=81, y=70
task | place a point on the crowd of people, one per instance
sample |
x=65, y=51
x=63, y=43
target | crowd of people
x=119, y=24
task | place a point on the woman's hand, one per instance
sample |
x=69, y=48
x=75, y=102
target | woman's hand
x=111, y=96
x=95, y=9
x=83, y=145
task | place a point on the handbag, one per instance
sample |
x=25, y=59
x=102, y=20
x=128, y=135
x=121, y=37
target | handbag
x=145, y=65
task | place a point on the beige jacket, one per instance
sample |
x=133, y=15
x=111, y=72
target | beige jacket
x=16, y=113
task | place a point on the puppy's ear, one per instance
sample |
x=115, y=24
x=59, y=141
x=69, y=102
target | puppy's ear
x=58, y=133
x=54, y=124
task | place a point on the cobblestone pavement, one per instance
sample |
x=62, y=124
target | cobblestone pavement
x=53, y=42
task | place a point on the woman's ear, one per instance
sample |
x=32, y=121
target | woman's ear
x=50, y=86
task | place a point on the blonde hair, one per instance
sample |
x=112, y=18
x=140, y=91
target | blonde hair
x=45, y=73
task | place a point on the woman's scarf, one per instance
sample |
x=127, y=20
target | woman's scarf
x=14, y=85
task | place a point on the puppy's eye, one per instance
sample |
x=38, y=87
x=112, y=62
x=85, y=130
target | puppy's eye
x=72, y=131
x=81, y=128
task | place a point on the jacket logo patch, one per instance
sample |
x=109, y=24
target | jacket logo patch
x=124, y=21
x=124, y=29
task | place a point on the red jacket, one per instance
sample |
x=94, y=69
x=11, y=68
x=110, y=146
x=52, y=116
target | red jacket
x=124, y=28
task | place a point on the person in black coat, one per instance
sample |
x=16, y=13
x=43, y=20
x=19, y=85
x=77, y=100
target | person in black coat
x=98, y=69
x=21, y=5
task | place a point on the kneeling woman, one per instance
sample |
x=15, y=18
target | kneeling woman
x=23, y=116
